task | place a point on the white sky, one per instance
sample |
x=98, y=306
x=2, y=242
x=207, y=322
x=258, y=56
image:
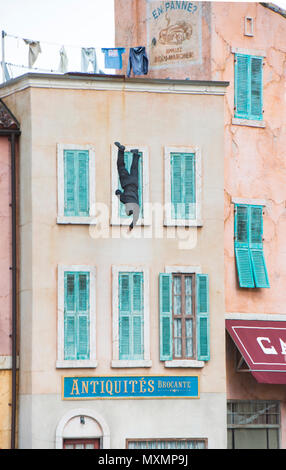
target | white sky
x=78, y=23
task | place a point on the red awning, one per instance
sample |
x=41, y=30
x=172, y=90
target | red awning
x=263, y=347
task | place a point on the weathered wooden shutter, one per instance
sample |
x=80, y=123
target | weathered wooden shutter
x=128, y=156
x=138, y=315
x=76, y=316
x=203, y=327
x=76, y=176
x=176, y=186
x=183, y=185
x=166, y=326
x=83, y=316
x=190, y=186
x=83, y=183
x=241, y=86
x=69, y=316
x=256, y=246
x=248, y=87
x=70, y=182
x=256, y=67
x=124, y=315
x=241, y=247
x=131, y=316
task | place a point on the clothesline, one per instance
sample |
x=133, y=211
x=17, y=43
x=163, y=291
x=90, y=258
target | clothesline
x=68, y=45
x=137, y=60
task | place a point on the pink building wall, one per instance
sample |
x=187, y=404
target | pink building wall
x=5, y=248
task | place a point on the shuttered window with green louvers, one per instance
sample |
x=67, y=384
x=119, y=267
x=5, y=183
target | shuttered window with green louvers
x=76, y=181
x=248, y=96
x=248, y=244
x=184, y=316
x=183, y=186
x=76, y=316
x=131, y=315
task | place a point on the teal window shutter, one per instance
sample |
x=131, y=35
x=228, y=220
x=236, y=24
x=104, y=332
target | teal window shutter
x=183, y=186
x=166, y=325
x=256, y=247
x=131, y=316
x=70, y=317
x=83, y=316
x=241, y=247
x=203, y=327
x=128, y=156
x=76, y=182
x=250, y=261
x=70, y=182
x=76, y=316
x=248, y=87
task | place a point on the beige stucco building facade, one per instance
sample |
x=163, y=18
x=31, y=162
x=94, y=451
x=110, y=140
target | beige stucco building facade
x=60, y=113
x=205, y=40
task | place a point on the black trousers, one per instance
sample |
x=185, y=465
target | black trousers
x=124, y=176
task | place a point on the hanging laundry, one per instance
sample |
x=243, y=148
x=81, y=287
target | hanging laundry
x=34, y=50
x=88, y=55
x=63, y=67
x=6, y=72
x=138, y=61
x=113, y=57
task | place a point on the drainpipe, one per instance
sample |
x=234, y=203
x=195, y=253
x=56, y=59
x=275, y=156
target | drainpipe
x=14, y=292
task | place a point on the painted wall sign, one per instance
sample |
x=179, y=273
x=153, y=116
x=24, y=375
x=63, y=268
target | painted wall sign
x=174, y=32
x=76, y=388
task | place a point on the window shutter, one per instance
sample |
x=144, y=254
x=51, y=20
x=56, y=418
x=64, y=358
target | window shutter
x=256, y=87
x=128, y=156
x=124, y=315
x=203, y=334
x=70, y=316
x=138, y=315
x=177, y=187
x=131, y=316
x=256, y=247
x=241, y=247
x=70, y=181
x=83, y=316
x=83, y=183
x=166, y=327
x=190, y=186
x=241, y=85
x=76, y=316
x=248, y=87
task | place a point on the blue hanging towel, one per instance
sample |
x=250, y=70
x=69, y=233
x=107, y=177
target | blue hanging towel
x=113, y=59
x=138, y=60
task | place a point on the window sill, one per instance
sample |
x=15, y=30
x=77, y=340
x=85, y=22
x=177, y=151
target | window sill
x=247, y=122
x=76, y=220
x=184, y=363
x=126, y=222
x=76, y=364
x=183, y=223
x=136, y=363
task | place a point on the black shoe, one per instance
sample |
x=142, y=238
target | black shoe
x=131, y=226
x=121, y=147
x=136, y=151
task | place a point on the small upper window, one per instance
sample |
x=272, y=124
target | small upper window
x=248, y=26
